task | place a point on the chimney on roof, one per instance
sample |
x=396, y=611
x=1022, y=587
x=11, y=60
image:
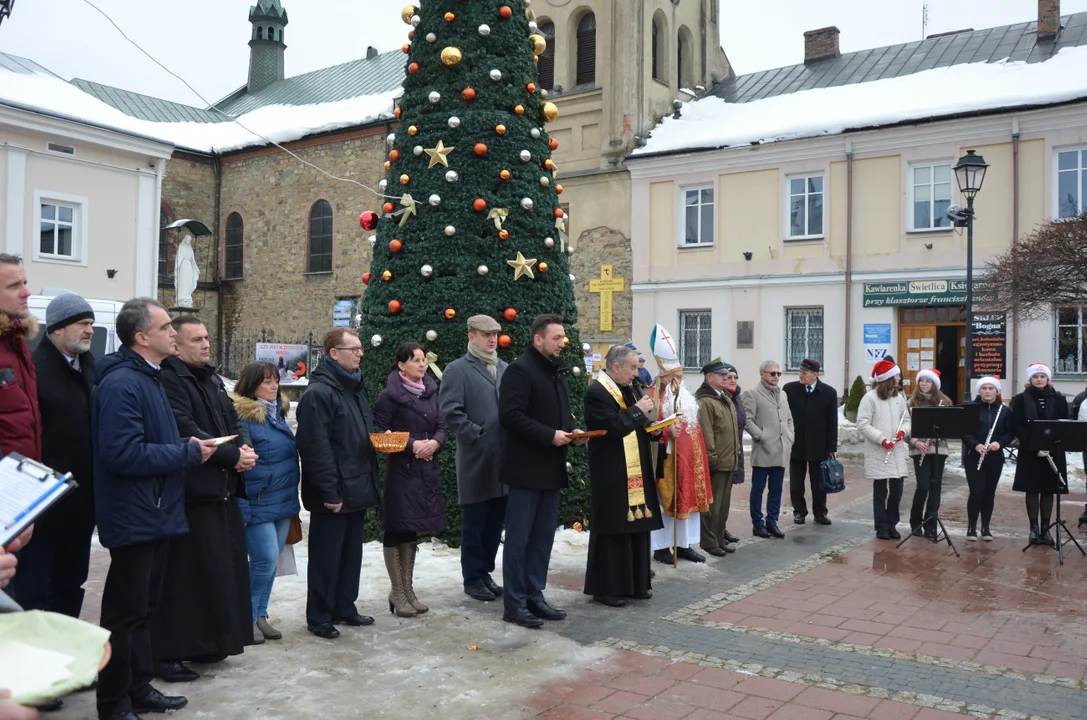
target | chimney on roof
x=821, y=44
x=371, y=52
x=1049, y=19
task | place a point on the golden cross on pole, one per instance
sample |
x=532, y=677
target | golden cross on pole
x=606, y=285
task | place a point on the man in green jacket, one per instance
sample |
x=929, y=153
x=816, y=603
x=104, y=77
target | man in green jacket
x=718, y=419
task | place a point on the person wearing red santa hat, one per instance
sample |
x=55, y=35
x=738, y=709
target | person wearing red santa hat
x=883, y=419
x=1033, y=473
x=928, y=456
x=984, y=460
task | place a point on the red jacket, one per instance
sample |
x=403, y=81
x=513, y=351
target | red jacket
x=20, y=423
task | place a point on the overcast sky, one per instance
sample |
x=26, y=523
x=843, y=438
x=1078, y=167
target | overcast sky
x=204, y=41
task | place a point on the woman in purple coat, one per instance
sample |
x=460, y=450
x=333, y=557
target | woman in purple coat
x=413, y=501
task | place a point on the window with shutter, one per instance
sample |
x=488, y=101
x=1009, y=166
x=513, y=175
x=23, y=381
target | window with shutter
x=679, y=61
x=546, y=66
x=320, y=238
x=586, y=50
x=233, y=248
x=656, y=45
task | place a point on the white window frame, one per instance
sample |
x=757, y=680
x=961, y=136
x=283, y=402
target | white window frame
x=683, y=215
x=1081, y=165
x=932, y=165
x=805, y=311
x=1082, y=369
x=80, y=212
x=702, y=354
x=789, y=206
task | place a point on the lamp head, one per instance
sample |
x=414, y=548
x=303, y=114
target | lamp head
x=970, y=174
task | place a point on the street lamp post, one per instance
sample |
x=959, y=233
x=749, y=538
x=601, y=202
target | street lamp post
x=970, y=174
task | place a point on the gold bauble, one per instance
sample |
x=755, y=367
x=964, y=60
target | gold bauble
x=387, y=275
x=451, y=56
x=405, y=179
x=539, y=43
x=550, y=111
x=407, y=13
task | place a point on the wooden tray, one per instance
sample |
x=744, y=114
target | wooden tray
x=590, y=434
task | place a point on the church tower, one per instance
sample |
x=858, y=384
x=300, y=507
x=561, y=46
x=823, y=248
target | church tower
x=266, y=46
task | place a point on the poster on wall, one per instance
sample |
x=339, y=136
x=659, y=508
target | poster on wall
x=988, y=342
x=877, y=341
x=342, y=313
x=290, y=360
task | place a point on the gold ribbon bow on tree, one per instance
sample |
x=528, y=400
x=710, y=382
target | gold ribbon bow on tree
x=407, y=203
x=432, y=361
x=499, y=216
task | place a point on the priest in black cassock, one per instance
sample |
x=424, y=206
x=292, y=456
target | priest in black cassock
x=623, y=496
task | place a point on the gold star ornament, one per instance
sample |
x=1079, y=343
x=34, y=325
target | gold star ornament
x=521, y=266
x=438, y=154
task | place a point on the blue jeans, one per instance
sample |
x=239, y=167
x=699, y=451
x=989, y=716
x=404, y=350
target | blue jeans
x=265, y=541
x=759, y=478
x=531, y=517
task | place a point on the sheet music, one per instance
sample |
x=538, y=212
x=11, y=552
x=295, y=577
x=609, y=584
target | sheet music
x=24, y=490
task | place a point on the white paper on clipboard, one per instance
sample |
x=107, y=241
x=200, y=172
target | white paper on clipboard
x=29, y=489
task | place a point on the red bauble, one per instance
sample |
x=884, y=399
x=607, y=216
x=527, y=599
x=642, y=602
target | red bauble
x=553, y=144
x=531, y=87
x=394, y=155
x=394, y=306
x=480, y=149
x=468, y=94
x=558, y=212
x=413, y=68
x=504, y=341
x=387, y=208
x=396, y=246
x=366, y=278
x=450, y=313
x=479, y=205
x=405, y=47
x=396, y=112
x=510, y=314
x=368, y=220
x=505, y=12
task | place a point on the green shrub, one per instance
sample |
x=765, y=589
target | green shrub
x=856, y=392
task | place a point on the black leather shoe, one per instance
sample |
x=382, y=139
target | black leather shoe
x=728, y=548
x=822, y=520
x=729, y=537
x=643, y=595
x=51, y=706
x=1035, y=534
x=716, y=552
x=545, y=612
x=685, y=553
x=478, y=591
x=357, y=620
x=775, y=531
x=490, y=584
x=759, y=531
x=119, y=715
x=324, y=630
x=522, y=617
x=151, y=700
x=1047, y=539
x=175, y=672
x=799, y=519
x=609, y=600
x=663, y=556
x=894, y=534
x=883, y=535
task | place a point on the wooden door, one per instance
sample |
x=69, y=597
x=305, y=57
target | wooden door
x=913, y=340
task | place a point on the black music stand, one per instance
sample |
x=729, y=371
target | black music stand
x=1057, y=436
x=941, y=423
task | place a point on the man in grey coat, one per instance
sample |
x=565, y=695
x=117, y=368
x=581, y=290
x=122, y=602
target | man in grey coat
x=770, y=425
x=469, y=397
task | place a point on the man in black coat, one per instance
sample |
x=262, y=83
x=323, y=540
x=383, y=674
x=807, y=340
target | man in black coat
x=339, y=482
x=814, y=406
x=53, y=568
x=534, y=410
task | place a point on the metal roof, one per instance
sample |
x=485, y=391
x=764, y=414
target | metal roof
x=357, y=78
x=1017, y=42
x=23, y=66
x=146, y=107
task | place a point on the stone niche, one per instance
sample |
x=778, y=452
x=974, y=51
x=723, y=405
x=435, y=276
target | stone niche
x=596, y=247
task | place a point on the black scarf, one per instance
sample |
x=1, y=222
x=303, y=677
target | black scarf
x=1040, y=399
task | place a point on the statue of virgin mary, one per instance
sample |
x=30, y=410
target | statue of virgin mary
x=186, y=273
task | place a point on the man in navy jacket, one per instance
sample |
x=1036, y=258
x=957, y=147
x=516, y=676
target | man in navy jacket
x=139, y=491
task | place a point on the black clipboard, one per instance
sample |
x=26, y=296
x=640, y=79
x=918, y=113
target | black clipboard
x=36, y=487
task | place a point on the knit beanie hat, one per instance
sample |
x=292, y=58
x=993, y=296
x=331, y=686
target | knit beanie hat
x=66, y=309
x=885, y=370
x=932, y=374
x=1035, y=368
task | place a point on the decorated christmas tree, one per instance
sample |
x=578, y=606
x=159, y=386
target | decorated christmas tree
x=470, y=222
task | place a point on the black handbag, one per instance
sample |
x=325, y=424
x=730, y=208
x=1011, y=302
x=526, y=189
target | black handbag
x=832, y=476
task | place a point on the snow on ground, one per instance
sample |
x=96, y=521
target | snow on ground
x=711, y=122
x=842, y=420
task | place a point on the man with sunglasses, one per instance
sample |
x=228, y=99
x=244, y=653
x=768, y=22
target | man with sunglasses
x=770, y=425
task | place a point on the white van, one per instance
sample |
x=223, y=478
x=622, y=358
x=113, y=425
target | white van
x=105, y=320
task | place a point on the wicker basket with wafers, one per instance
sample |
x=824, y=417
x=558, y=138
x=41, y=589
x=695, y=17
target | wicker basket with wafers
x=390, y=442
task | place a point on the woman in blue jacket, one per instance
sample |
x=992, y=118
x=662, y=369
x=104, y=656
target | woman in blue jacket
x=271, y=486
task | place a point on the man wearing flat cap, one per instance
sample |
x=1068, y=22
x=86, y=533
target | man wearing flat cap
x=53, y=568
x=721, y=418
x=469, y=397
x=814, y=406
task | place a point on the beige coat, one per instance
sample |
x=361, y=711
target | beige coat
x=770, y=425
x=878, y=420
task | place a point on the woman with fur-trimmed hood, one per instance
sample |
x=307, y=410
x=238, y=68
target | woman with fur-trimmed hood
x=271, y=486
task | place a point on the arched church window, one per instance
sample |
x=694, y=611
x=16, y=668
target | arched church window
x=320, y=238
x=546, y=66
x=233, y=248
x=586, y=50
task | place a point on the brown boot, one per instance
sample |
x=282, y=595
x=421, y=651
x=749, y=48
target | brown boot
x=407, y=570
x=398, y=601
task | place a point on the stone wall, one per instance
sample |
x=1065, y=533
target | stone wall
x=596, y=247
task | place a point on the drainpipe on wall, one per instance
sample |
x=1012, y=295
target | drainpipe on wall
x=216, y=240
x=160, y=172
x=1015, y=238
x=848, y=258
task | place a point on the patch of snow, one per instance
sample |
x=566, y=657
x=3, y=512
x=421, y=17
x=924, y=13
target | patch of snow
x=842, y=420
x=712, y=123
x=280, y=123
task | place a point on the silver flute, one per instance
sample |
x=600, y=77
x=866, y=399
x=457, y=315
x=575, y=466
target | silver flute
x=901, y=420
x=989, y=438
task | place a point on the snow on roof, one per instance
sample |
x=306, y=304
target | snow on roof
x=713, y=123
x=52, y=95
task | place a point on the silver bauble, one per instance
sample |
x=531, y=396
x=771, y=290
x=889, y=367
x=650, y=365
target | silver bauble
x=544, y=93
x=435, y=200
x=586, y=349
x=426, y=271
x=372, y=240
x=434, y=97
x=576, y=370
x=569, y=249
x=431, y=335
x=450, y=231
x=417, y=150
x=383, y=184
x=527, y=203
x=569, y=468
x=483, y=269
x=549, y=242
x=484, y=30
x=415, y=20
x=532, y=26
x=452, y=176
x=431, y=37
x=496, y=75
x=375, y=340
x=535, y=133
x=525, y=156
x=391, y=139
x=454, y=122
x=545, y=181
x=572, y=278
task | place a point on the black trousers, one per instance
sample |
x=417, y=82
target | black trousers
x=926, y=497
x=132, y=591
x=886, y=496
x=531, y=517
x=797, y=470
x=982, y=488
x=53, y=568
x=480, y=535
x=335, y=565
